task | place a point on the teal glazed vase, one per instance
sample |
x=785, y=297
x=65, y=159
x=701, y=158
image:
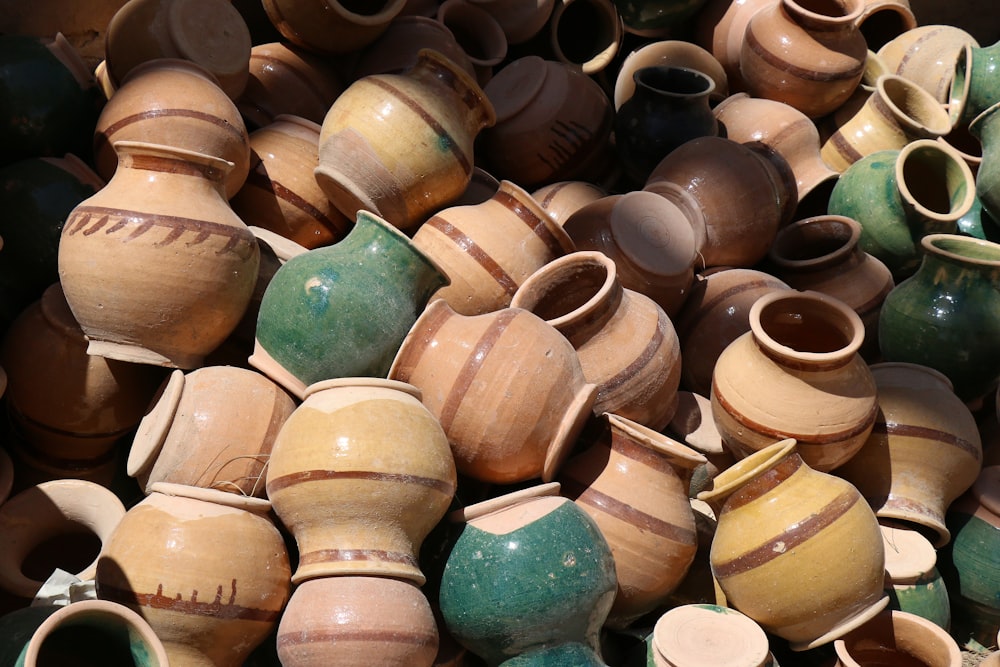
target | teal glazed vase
x=986, y=128
x=900, y=196
x=343, y=310
x=947, y=315
x=975, y=85
x=530, y=575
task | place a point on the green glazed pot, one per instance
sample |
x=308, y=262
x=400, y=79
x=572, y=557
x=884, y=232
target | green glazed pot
x=986, y=128
x=571, y=654
x=529, y=571
x=976, y=83
x=343, y=310
x=947, y=315
x=979, y=224
x=899, y=196
x=17, y=628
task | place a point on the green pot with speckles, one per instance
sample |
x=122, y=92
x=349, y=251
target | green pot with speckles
x=529, y=571
x=343, y=310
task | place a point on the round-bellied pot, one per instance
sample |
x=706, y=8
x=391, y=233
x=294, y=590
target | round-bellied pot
x=330, y=27
x=897, y=637
x=927, y=55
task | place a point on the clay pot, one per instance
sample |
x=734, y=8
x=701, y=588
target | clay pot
x=360, y=473
x=719, y=29
x=564, y=569
x=177, y=103
x=924, y=451
x=694, y=425
x=478, y=33
x=670, y=53
x=363, y=165
x=212, y=34
x=356, y=621
x=520, y=19
x=561, y=200
x=777, y=554
x=633, y=482
x=64, y=523
x=625, y=342
x=213, y=427
x=331, y=27
x=209, y=605
x=506, y=386
x=927, y=55
x=396, y=49
x=973, y=88
x=881, y=21
x=912, y=579
x=163, y=208
x=585, y=34
x=986, y=129
x=692, y=635
x=897, y=637
x=488, y=250
x=281, y=193
x=797, y=374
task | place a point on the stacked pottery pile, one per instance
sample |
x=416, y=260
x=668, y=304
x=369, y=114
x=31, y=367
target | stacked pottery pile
x=508, y=333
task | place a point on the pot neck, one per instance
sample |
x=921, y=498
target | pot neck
x=817, y=243
x=935, y=184
x=824, y=15
x=752, y=476
x=955, y=255
x=172, y=162
x=678, y=85
x=438, y=72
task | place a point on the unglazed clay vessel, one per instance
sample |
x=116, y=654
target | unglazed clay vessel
x=633, y=482
x=213, y=427
x=477, y=33
x=360, y=473
x=164, y=209
x=625, y=342
x=506, y=386
x=927, y=55
x=923, y=453
x=488, y=250
x=797, y=374
x=692, y=635
x=719, y=29
x=330, y=27
x=898, y=637
x=779, y=553
x=563, y=198
x=365, y=164
x=396, y=49
x=208, y=570
x=520, y=19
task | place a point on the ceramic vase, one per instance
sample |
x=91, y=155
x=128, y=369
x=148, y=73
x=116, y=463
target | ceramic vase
x=355, y=621
x=362, y=164
x=625, y=342
x=881, y=21
x=901, y=196
x=633, y=482
x=552, y=123
x=210, y=605
x=280, y=193
x=943, y=316
x=670, y=106
x=507, y=388
x=984, y=127
x=719, y=29
x=360, y=473
x=177, y=103
x=163, y=208
x=924, y=452
x=397, y=48
x=973, y=84
x=912, y=579
x=563, y=565
x=778, y=553
x=806, y=345
x=897, y=637
x=60, y=523
x=670, y=53
x=477, y=33
x=809, y=55
x=70, y=408
x=744, y=179
x=488, y=250
x=343, y=310
x=823, y=253
x=898, y=112
x=653, y=240
x=213, y=427
x=690, y=635
x=927, y=55
x=715, y=314
x=560, y=200
x=331, y=27
x=585, y=34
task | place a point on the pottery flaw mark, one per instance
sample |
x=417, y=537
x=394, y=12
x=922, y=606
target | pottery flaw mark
x=215, y=609
x=89, y=220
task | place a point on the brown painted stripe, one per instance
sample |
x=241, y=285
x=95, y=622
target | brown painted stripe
x=259, y=179
x=107, y=135
x=531, y=219
x=640, y=362
x=305, y=476
x=552, y=193
x=147, y=221
x=350, y=633
x=791, y=131
x=357, y=555
x=926, y=433
x=473, y=362
x=630, y=515
x=626, y=446
x=804, y=365
x=99, y=225
x=806, y=529
x=468, y=246
x=215, y=609
x=761, y=484
x=811, y=439
x=776, y=61
x=687, y=324
x=917, y=47
x=169, y=165
x=431, y=122
x=848, y=152
x=412, y=350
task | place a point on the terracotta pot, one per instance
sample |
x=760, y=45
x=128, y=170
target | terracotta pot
x=506, y=386
x=701, y=634
x=356, y=621
x=912, y=579
x=363, y=165
x=213, y=427
x=478, y=33
x=586, y=33
x=881, y=21
x=777, y=554
x=488, y=250
x=396, y=49
x=331, y=27
x=633, y=482
x=521, y=19
x=719, y=29
x=164, y=207
x=360, y=473
x=898, y=637
x=560, y=200
x=64, y=523
x=177, y=103
x=625, y=342
x=672, y=53
x=927, y=55
x=212, y=34
x=924, y=451
x=797, y=374
x=210, y=605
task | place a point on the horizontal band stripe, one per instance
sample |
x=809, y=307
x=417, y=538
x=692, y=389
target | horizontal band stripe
x=410, y=353
x=352, y=634
x=847, y=152
x=531, y=219
x=469, y=247
x=106, y=136
x=357, y=555
x=629, y=514
x=761, y=484
x=776, y=61
x=306, y=476
x=261, y=181
x=645, y=357
x=927, y=433
x=214, y=609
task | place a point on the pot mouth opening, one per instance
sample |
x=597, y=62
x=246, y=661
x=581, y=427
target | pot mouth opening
x=963, y=248
x=674, y=80
x=933, y=177
x=806, y=326
x=812, y=241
